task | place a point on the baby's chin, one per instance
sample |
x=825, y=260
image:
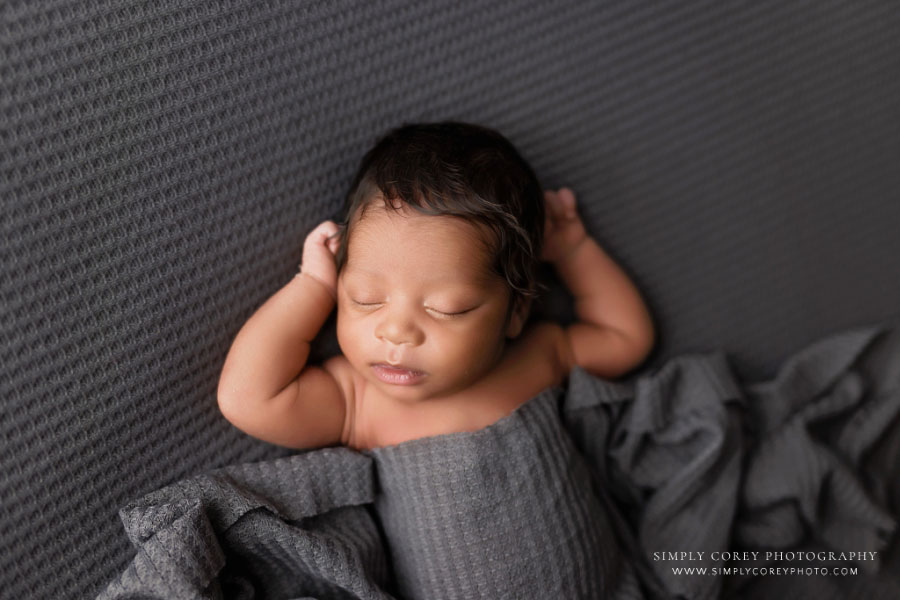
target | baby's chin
x=426, y=390
x=407, y=394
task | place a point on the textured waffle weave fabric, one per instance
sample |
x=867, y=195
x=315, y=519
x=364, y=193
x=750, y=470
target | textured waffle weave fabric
x=538, y=505
x=161, y=162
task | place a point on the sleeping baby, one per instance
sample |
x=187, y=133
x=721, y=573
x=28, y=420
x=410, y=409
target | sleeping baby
x=442, y=379
x=433, y=272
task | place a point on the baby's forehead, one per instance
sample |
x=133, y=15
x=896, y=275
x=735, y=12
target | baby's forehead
x=404, y=218
x=384, y=238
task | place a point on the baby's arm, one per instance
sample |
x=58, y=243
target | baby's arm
x=614, y=332
x=266, y=389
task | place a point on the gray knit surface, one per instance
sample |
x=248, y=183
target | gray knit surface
x=162, y=160
x=573, y=495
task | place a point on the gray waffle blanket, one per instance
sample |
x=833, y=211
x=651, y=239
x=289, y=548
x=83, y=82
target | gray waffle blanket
x=580, y=493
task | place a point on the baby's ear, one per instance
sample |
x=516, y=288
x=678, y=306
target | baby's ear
x=518, y=317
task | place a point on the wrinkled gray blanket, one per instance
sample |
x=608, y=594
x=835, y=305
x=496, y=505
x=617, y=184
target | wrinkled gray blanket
x=582, y=492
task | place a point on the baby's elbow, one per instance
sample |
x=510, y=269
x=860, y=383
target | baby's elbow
x=231, y=401
x=643, y=342
x=634, y=348
x=648, y=337
x=227, y=402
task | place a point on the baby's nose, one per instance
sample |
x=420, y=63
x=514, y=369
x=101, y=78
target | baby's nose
x=399, y=328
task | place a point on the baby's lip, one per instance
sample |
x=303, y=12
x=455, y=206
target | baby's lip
x=398, y=367
x=398, y=374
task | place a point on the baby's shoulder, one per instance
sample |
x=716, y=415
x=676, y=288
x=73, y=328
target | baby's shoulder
x=342, y=371
x=546, y=342
x=534, y=361
x=350, y=384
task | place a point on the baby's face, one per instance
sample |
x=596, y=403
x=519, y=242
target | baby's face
x=417, y=293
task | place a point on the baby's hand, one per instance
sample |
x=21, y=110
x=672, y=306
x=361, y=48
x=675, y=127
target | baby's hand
x=319, y=249
x=563, y=229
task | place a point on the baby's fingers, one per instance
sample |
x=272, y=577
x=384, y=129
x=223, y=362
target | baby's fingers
x=560, y=205
x=334, y=242
x=566, y=199
x=325, y=234
x=324, y=230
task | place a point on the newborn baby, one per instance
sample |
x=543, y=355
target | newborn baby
x=433, y=271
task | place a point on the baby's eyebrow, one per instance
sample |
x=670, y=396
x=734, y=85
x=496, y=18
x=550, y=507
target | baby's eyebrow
x=474, y=283
x=357, y=272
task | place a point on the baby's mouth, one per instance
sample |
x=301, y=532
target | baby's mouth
x=397, y=375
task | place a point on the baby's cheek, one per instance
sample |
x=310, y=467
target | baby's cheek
x=346, y=336
x=488, y=342
x=473, y=346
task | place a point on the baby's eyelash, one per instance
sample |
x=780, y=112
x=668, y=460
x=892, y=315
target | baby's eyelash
x=428, y=308
x=451, y=314
x=365, y=303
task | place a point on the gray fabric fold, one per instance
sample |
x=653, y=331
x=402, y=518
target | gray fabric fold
x=575, y=494
x=504, y=512
x=796, y=479
x=275, y=529
x=671, y=459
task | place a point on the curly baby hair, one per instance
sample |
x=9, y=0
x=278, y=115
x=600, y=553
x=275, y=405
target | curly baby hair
x=461, y=170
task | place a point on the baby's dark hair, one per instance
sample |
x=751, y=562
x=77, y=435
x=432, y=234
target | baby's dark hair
x=462, y=170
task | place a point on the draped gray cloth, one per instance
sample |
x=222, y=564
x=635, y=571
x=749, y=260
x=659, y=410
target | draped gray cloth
x=573, y=495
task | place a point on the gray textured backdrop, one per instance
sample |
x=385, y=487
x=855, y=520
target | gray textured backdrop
x=161, y=162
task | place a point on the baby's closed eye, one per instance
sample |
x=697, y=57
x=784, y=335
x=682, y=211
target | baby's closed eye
x=443, y=310
x=448, y=312
x=366, y=303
